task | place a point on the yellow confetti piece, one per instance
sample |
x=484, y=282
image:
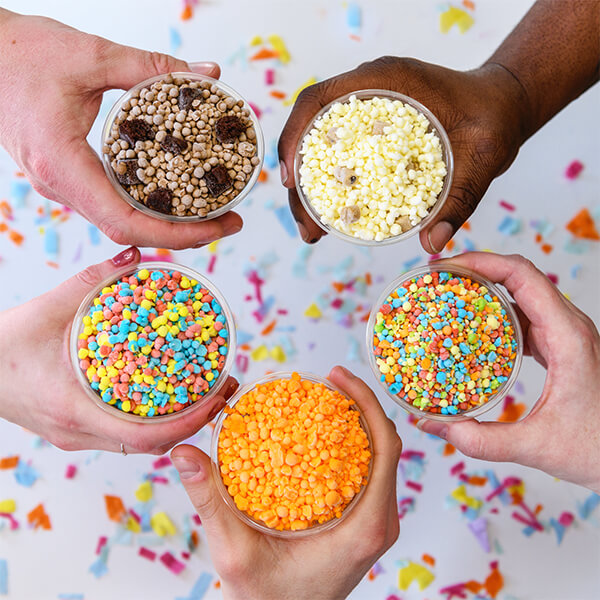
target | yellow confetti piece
x=278, y=354
x=517, y=489
x=280, y=47
x=259, y=353
x=162, y=525
x=456, y=16
x=8, y=506
x=212, y=247
x=414, y=572
x=313, y=312
x=295, y=95
x=144, y=492
x=256, y=41
x=133, y=525
x=460, y=495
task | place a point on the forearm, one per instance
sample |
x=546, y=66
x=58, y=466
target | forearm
x=554, y=54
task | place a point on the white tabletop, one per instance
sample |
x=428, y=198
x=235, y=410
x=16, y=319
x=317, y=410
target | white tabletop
x=44, y=564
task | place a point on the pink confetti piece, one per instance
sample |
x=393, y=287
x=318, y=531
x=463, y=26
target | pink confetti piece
x=146, y=553
x=211, y=263
x=553, y=278
x=71, y=471
x=566, y=519
x=574, y=169
x=414, y=486
x=14, y=524
x=196, y=519
x=457, y=468
x=410, y=454
x=507, y=205
x=172, y=563
x=101, y=543
x=269, y=77
x=158, y=479
x=163, y=461
x=135, y=515
x=242, y=362
x=255, y=108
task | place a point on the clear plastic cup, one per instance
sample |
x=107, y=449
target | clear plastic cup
x=494, y=290
x=112, y=115
x=77, y=328
x=245, y=517
x=447, y=156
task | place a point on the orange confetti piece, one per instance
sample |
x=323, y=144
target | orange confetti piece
x=5, y=209
x=19, y=174
x=245, y=347
x=10, y=462
x=38, y=518
x=449, y=449
x=468, y=4
x=339, y=287
x=450, y=245
x=368, y=278
x=264, y=53
x=269, y=327
x=582, y=226
x=538, y=237
x=365, y=317
x=277, y=94
x=466, y=226
x=194, y=539
x=428, y=559
x=475, y=480
x=355, y=37
x=163, y=252
x=512, y=413
x=217, y=584
x=52, y=264
x=187, y=13
x=3, y=227
x=114, y=508
x=263, y=176
x=494, y=583
x=15, y=237
x=55, y=212
x=547, y=248
x=473, y=586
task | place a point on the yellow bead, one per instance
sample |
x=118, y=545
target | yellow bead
x=146, y=304
x=184, y=283
x=132, y=336
x=209, y=376
x=87, y=320
x=126, y=406
x=143, y=274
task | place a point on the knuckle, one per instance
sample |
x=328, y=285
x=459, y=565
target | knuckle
x=160, y=63
x=89, y=276
x=522, y=263
x=114, y=232
x=474, y=447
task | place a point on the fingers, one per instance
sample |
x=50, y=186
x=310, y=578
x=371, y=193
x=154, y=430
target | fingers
x=506, y=442
x=376, y=512
x=124, y=66
x=538, y=298
x=310, y=232
x=82, y=182
x=221, y=526
x=67, y=297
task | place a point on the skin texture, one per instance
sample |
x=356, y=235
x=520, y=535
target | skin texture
x=550, y=58
x=49, y=143
x=561, y=433
x=253, y=566
x=40, y=392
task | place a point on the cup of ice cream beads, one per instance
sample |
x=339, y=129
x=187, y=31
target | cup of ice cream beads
x=291, y=454
x=444, y=342
x=182, y=147
x=373, y=167
x=152, y=342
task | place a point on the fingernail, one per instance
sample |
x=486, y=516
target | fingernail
x=283, y=172
x=303, y=232
x=203, y=66
x=313, y=241
x=433, y=427
x=232, y=229
x=345, y=371
x=439, y=235
x=125, y=257
x=187, y=468
x=420, y=424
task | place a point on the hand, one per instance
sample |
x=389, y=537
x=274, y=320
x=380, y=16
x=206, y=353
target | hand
x=47, y=108
x=561, y=434
x=480, y=110
x=324, y=567
x=40, y=392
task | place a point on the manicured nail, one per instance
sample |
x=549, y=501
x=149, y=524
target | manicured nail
x=439, y=235
x=215, y=410
x=314, y=240
x=203, y=66
x=303, y=232
x=125, y=257
x=187, y=468
x=283, y=172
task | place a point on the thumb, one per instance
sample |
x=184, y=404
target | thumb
x=69, y=295
x=498, y=442
x=195, y=471
x=126, y=66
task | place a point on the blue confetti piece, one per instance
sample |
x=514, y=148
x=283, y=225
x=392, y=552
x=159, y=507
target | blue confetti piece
x=573, y=246
x=99, y=568
x=353, y=354
x=51, y=241
x=271, y=159
x=200, y=588
x=284, y=215
x=509, y=226
x=584, y=510
x=469, y=245
x=94, y=234
x=411, y=263
x=575, y=270
x=270, y=204
x=285, y=341
x=243, y=337
x=71, y=597
x=3, y=577
x=301, y=262
x=559, y=529
x=174, y=39
x=340, y=271
x=25, y=474
x=19, y=189
x=528, y=531
x=353, y=18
